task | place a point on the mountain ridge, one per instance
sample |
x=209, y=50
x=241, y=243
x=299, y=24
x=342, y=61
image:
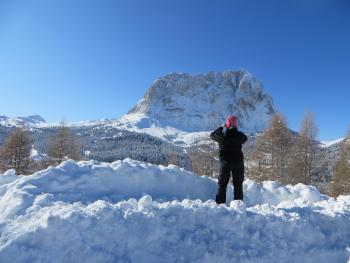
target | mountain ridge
x=30, y=120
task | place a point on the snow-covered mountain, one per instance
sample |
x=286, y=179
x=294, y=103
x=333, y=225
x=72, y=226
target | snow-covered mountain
x=28, y=121
x=197, y=103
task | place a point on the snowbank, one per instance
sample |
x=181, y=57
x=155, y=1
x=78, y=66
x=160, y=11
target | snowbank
x=8, y=177
x=130, y=211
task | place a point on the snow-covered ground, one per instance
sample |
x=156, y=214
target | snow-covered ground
x=35, y=155
x=129, y=211
x=167, y=133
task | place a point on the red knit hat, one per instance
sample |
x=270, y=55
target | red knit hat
x=231, y=121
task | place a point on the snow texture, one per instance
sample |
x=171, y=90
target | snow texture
x=130, y=211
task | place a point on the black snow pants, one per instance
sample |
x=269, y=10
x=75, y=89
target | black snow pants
x=237, y=169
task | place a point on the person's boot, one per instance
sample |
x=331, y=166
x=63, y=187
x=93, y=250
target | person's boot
x=220, y=199
x=238, y=192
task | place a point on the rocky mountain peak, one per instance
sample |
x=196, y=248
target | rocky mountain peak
x=201, y=102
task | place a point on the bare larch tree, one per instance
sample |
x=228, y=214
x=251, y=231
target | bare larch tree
x=340, y=183
x=15, y=154
x=270, y=158
x=64, y=145
x=304, y=162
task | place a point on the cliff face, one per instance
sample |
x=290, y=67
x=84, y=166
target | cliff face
x=201, y=102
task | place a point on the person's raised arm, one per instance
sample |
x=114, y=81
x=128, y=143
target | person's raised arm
x=217, y=135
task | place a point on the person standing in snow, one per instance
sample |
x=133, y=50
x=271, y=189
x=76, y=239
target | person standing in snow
x=231, y=158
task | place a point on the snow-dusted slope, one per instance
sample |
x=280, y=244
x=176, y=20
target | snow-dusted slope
x=195, y=103
x=21, y=121
x=130, y=211
x=326, y=144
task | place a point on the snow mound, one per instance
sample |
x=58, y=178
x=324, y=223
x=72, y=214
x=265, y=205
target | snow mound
x=130, y=211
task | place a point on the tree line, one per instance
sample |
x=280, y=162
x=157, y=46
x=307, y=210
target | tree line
x=292, y=158
x=107, y=145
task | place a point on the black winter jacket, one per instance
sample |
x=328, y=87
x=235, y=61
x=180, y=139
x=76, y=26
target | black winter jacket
x=230, y=143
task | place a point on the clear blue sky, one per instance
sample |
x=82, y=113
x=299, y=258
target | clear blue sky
x=84, y=59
